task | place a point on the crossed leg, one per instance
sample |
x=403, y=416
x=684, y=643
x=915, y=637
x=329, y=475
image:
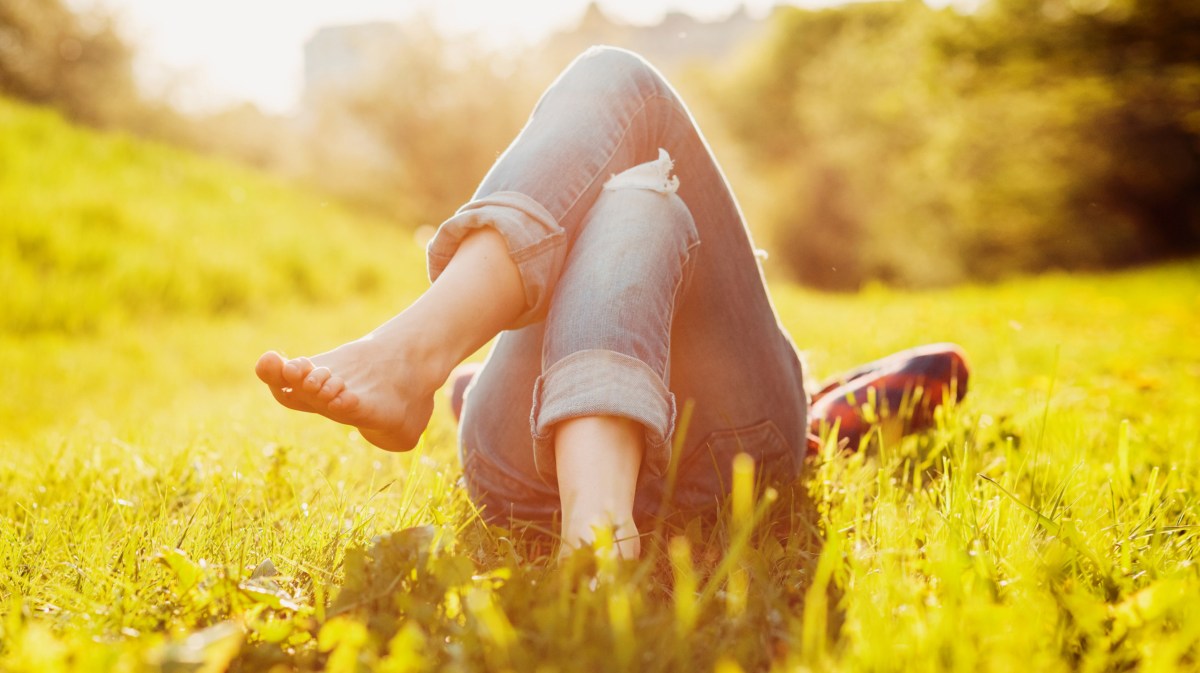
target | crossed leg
x=496, y=265
x=384, y=383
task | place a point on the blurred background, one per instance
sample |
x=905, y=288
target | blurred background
x=906, y=143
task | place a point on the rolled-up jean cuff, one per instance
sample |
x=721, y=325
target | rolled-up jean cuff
x=536, y=244
x=602, y=383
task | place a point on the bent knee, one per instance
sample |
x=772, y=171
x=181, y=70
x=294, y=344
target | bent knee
x=614, y=63
x=614, y=57
x=644, y=229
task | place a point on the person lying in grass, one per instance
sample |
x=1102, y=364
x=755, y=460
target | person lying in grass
x=606, y=250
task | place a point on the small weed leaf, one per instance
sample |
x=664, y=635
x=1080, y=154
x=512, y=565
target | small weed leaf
x=272, y=631
x=343, y=639
x=406, y=651
x=264, y=570
x=268, y=593
x=494, y=624
x=209, y=650
x=187, y=572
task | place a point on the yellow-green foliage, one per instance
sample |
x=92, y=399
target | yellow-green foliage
x=98, y=229
x=923, y=147
x=1051, y=522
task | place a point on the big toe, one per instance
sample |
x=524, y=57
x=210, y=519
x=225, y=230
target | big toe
x=269, y=369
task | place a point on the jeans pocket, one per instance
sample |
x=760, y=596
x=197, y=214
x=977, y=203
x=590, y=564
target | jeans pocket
x=706, y=475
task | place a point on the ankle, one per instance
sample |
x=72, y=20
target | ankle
x=598, y=459
x=582, y=512
x=428, y=358
x=580, y=530
x=479, y=294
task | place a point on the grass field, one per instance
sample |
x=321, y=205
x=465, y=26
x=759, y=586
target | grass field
x=159, y=512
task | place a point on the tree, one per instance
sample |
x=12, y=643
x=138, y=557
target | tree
x=923, y=147
x=1139, y=190
x=78, y=63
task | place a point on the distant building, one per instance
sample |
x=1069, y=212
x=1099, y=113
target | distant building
x=337, y=55
x=336, y=59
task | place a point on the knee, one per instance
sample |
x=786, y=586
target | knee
x=650, y=223
x=651, y=188
x=605, y=66
x=676, y=217
x=615, y=58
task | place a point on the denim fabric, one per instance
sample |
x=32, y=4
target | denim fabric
x=535, y=242
x=643, y=294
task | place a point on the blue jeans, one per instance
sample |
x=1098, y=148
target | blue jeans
x=642, y=292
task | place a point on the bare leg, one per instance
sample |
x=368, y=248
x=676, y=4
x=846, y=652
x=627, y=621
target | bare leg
x=598, y=459
x=384, y=383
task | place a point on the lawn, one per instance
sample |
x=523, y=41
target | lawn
x=160, y=512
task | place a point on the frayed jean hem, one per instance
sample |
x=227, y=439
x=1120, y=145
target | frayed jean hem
x=602, y=383
x=536, y=244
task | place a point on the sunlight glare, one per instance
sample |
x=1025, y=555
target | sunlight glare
x=209, y=55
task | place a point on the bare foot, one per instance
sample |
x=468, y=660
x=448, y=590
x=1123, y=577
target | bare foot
x=381, y=384
x=384, y=383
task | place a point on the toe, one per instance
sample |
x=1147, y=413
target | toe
x=289, y=400
x=295, y=370
x=331, y=388
x=347, y=401
x=316, y=380
x=270, y=369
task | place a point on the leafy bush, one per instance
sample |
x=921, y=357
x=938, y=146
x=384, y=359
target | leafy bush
x=76, y=62
x=925, y=147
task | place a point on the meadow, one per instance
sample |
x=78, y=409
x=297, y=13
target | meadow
x=158, y=511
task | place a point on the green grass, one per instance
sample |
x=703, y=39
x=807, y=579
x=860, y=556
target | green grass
x=1049, y=523
x=104, y=229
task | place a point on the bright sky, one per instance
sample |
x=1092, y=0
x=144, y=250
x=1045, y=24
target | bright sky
x=211, y=53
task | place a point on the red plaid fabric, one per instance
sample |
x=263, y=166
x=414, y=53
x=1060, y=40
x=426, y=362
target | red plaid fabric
x=907, y=386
